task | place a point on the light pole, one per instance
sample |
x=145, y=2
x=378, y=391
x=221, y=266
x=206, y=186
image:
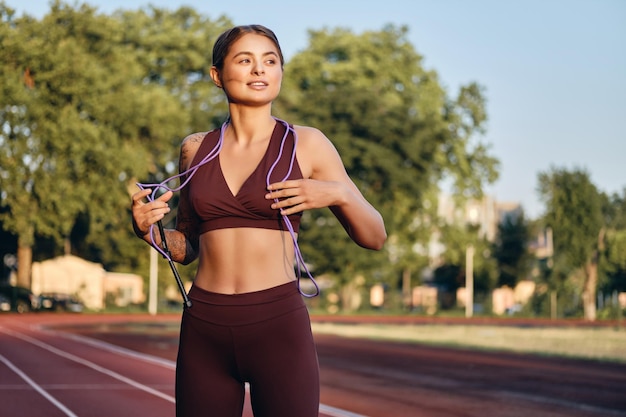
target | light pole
x=473, y=217
x=154, y=279
x=469, y=281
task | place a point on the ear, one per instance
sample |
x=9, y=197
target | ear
x=215, y=76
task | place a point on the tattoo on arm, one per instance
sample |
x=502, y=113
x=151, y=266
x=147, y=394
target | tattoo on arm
x=181, y=249
x=183, y=242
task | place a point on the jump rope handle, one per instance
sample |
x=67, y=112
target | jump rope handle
x=179, y=281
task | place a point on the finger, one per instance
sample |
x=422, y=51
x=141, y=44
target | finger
x=288, y=211
x=279, y=205
x=158, y=203
x=288, y=202
x=284, y=184
x=156, y=215
x=139, y=196
x=273, y=195
x=151, y=217
x=165, y=196
x=282, y=194
x=275, y=186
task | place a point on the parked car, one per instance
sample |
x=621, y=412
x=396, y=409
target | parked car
x=60, y=302
x=22, y=299
x=5, y=303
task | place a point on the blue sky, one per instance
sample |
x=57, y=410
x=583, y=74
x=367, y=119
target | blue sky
x=554, y=71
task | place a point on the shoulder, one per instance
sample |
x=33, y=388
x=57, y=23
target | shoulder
x=189, y=147
x=307, y=131
x=194, y=139
x=311, y=137
x=317, y=153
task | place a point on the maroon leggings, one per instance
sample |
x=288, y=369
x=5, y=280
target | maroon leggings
x=263, y=338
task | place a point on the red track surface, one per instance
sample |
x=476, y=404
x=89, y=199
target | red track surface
x=49, y=373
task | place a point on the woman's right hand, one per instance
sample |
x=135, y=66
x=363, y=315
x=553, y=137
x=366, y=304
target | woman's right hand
x=145, y=213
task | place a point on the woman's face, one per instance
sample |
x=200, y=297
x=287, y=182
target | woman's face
x=252, y=72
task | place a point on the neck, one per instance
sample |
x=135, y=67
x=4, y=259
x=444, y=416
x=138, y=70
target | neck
x=249, y=125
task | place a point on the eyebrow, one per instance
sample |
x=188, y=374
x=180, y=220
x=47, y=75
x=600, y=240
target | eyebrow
x=250, y=53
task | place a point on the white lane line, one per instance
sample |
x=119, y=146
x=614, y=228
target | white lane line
x=78, y=387
x=90, y=364
x=37, y=388
x=115, y=349
x=337, y=412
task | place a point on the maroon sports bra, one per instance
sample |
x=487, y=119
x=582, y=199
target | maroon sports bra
x=218, y=208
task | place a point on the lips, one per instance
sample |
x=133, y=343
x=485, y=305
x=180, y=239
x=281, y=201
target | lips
x=258, y=84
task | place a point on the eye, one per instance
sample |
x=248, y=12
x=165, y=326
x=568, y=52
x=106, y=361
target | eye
x=244, y=61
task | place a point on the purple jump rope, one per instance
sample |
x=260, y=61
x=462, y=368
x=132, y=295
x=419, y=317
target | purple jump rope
x=191, y=171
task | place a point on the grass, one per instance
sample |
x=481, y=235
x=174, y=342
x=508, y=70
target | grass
x=603, y=343
x=598, y=343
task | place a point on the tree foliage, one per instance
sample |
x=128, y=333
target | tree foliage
x=397, y=131
x=574, y=212
x=613, y=276
x=90, y=104
x=458, y=239
x=511, y=250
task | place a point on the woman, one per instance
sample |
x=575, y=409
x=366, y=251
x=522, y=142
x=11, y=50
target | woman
x=239, y=213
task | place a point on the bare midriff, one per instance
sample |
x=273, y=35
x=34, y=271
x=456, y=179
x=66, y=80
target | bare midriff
x=241, y=260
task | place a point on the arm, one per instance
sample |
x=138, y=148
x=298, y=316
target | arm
x=182, y=241
x=185, y=239
x=328, y=185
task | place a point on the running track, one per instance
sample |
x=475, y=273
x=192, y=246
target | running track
x=45, y=373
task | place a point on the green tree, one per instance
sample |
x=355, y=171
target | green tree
x=399, y=135
x=615, y=257
x=613, y=276
x=16, y=164
x=574, y=212
x=174, y=50
x=510, y=250
x=451, y=273
x=75, y=131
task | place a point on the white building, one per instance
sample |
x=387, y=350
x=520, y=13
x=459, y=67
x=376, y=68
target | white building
x=87, y=280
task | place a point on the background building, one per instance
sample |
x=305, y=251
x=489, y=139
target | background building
x=88, y=281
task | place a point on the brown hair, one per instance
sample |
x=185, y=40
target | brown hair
x=227, y=38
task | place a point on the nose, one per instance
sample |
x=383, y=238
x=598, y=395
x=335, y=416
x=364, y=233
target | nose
x=258, y=69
